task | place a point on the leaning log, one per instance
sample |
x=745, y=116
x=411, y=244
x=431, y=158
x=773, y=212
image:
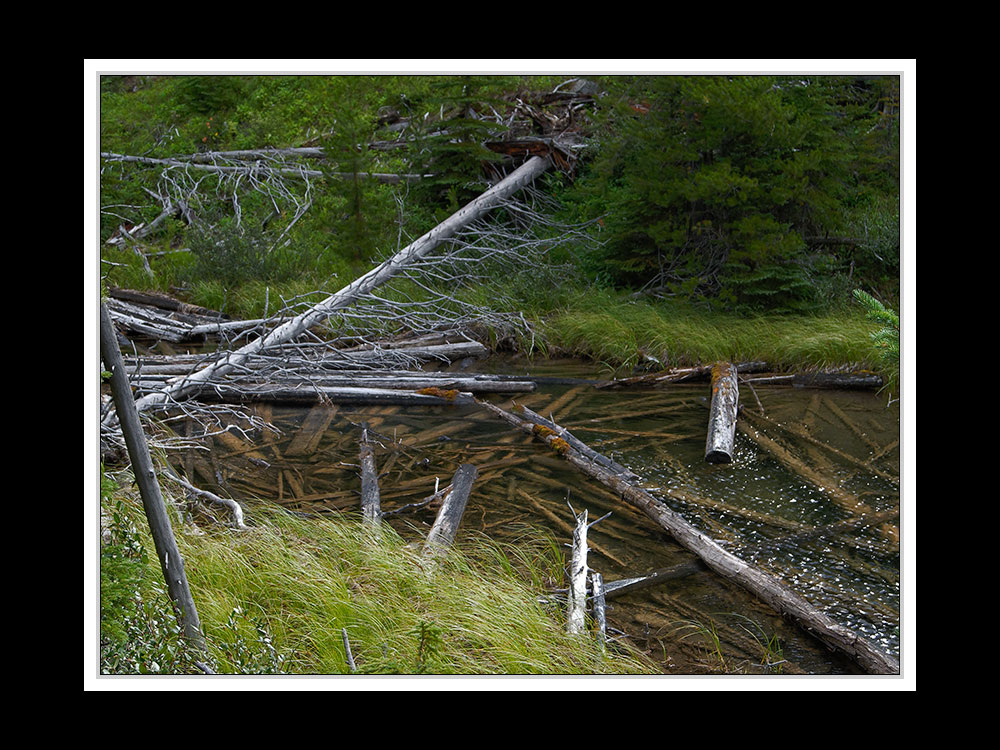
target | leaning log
x=763, y=586
x=445, y=528
x=420, y=248
x=722, y=416
x=171, y=562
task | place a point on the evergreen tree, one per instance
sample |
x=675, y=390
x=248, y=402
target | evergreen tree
x=449, y=147
x=711, y=184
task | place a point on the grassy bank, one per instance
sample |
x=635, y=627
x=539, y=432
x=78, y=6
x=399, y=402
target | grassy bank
x=275, y=599
x=615, y=329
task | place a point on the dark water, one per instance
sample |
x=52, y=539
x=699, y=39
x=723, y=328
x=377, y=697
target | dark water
x=787, y=512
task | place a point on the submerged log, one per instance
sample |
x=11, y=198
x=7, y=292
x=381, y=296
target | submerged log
x=762, y=585
x=722, y=416
x=628, y=585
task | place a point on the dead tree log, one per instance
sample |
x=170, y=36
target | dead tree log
x=442, y=533
x=416, y=250
x=542, y=425
x=171, y=562
x=722, y=416
x=371, y=510
x=577, y=614
x=763, y=586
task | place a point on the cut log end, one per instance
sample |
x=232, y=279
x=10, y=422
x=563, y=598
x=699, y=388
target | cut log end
x=718, y=457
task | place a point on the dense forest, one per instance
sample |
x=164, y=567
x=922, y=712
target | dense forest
x=681, y=220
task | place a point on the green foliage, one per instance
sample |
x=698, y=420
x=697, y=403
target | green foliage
x=140, y=633
x=208, y=94
x=710, y=185
x=450, y=147
x=885, y=338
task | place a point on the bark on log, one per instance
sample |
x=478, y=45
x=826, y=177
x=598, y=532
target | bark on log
x=416, y=250
x=442, y=533
x=765, y=587
x=171, y=562
x=722, y=416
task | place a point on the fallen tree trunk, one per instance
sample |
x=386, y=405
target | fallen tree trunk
x=310, y=394
x=722, y=414
x=765, y=587
x=416, y=250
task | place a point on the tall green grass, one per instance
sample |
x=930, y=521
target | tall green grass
x=277, y=598
x=622, y=332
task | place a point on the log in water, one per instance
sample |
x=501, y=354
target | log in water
x=722, y=417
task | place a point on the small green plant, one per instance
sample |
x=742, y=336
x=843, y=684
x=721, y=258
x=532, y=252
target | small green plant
x=713, y=644
x=250, y=652
x=886, y=337
x=772, y=657
x=139, y=630
x=429, y=645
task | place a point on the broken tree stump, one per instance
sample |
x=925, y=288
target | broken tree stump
x=442, y=533
x=371, y=510
x=722, y=416
x=577, y=615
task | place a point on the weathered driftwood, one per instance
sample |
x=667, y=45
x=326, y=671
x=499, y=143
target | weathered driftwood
x=722, y=414
x=171, y=562
x=442, y=533
x=347, y=296
x=348, y=656
x=155, y=299
x=256, y=170
x=765, y=587
x=371, y=510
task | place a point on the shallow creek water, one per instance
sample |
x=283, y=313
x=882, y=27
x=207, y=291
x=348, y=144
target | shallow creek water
x=825, y=456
